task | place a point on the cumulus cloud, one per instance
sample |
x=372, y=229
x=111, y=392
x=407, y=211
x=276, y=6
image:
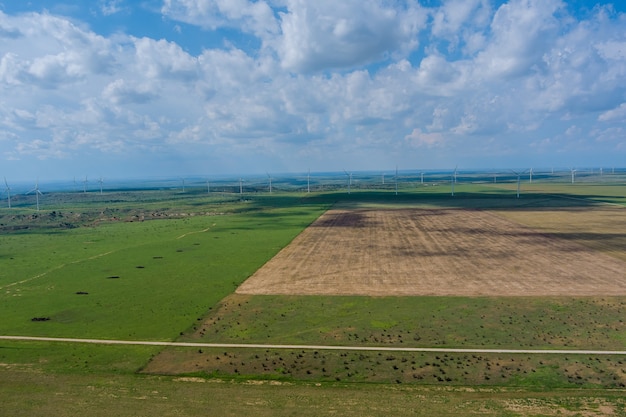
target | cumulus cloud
x=327, y=34
x=522, y=31
x=616, y=114
x=254, y=17
x=353, y=77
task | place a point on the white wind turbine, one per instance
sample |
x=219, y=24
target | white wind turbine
x=241, y=186
x=8, y=190
x=383, y=178
x=349, y=180
x=37, y=193
x=519, y=176
x=573, y=172
x=396, y=179
x=422, y=178
x=85, y=181
x=308, y=181
x=530, y=178
x=100, y=181
x=453, y=179
x=270, y=178
x=208, y=186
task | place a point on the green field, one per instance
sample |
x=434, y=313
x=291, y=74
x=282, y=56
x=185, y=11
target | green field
x=160, y=265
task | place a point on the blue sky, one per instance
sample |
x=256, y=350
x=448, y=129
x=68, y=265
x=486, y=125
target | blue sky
x=129, y=89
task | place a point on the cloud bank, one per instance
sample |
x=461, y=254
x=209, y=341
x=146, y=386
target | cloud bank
x=295, y=84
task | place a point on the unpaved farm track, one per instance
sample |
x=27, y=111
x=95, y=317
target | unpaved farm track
x=434, y=252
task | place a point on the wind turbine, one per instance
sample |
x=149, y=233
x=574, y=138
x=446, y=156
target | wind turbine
x=308, y=181
x=396, y=179
x=208, y=186
x=270, y=177
x=422, y=178
x=183, y=181
x=519, y=176
x=453, y=179
x=37, y=192
x=383, y=178
x=573, y=171
x=349, y=180
x=241, y=186
x=8, y=190
x=100, y=180
x=530, y=179
x=85, y=185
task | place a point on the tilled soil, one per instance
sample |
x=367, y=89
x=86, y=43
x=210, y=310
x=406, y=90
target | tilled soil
x=434, y=252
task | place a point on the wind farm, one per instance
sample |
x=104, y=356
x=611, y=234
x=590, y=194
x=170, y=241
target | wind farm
x=402, y=265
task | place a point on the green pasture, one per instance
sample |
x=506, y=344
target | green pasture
x=136, y=396
x=156, y=265
x=563, y=323
x=140, y=280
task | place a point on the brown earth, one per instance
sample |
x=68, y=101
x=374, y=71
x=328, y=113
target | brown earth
x=442, y=252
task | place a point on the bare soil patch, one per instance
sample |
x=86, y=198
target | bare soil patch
x=399, y=252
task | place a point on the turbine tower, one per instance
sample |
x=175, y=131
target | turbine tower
x=453, y=179
x=573, y=171
x=349, y=180
x=530, y=178
x=37, y=192
x=208, y=186
x=308, y=181
x=396, y=179
x=270, y=178
x=85, y=184
x=241, y=186
x=8, y=190
x=101, y=181
x=519, y=176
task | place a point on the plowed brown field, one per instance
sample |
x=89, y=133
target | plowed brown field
x=434, y=252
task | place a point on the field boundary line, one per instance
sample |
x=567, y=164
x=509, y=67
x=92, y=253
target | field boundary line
x=191, y=233
x=311, y=347
x=54, y=269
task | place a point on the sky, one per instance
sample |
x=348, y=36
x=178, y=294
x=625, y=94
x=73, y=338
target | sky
x=138, y=89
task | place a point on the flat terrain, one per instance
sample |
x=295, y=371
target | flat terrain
x=452, y=252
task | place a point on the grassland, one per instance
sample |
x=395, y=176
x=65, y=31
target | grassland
x=145, y=268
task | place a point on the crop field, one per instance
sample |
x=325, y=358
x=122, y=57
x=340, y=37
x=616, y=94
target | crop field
x=438, y=252
x=422, y=269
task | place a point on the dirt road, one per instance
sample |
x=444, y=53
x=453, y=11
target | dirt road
x=309, y=347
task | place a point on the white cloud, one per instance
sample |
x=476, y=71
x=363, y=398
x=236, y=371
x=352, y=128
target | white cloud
x=521, y=32
x=250, y=16
x=110, y=7
x=616, y=114
x=120, y=92
x=328, y=34
x=162, y=59
x=519, y=77
x=417, y=138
